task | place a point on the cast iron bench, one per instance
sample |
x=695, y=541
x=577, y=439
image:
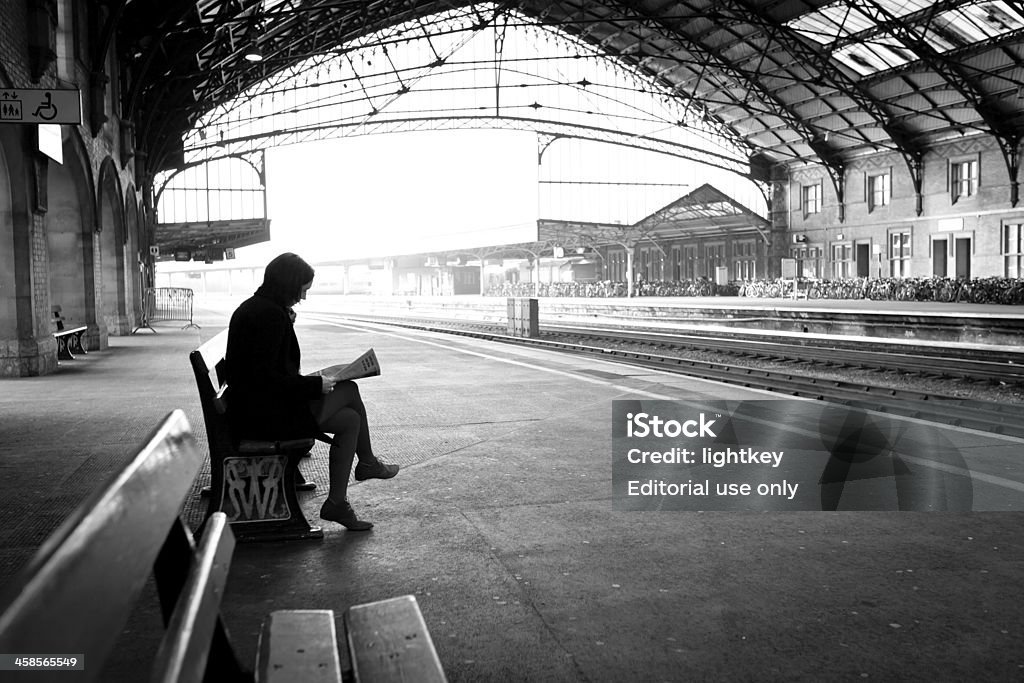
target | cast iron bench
x=74, y=597
x=69, y=340
x=252, y=482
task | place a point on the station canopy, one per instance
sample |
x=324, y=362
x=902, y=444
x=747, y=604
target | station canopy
x=704, y=212
x=785, y=80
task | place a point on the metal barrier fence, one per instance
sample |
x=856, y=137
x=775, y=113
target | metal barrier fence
x=167, y=303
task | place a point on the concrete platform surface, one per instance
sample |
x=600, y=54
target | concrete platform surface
x=503, y=526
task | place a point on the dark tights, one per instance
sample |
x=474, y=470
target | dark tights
x=342, y=414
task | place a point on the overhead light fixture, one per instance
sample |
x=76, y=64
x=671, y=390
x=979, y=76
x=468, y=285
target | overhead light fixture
x=253, y=53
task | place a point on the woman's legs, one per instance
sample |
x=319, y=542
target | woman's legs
x=345, y=396
x=344, y=424
x=342, y=414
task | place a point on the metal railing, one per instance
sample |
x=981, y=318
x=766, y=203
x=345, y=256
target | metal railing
x=167, y=303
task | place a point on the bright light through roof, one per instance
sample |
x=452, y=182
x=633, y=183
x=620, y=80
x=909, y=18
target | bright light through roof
x=848, y=27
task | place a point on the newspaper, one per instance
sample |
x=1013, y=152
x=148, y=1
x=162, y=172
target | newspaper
x=364, y=366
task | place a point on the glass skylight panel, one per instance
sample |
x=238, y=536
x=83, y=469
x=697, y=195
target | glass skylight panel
x=871, y=57
x=900, y=8
x=966, y=25
x=829, y=23
x=983, y=21
x=847, y=17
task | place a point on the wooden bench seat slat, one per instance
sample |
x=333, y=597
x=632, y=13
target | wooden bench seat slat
x=97, y=561
x=389, y=641
x=298, y=645
x=183, y=654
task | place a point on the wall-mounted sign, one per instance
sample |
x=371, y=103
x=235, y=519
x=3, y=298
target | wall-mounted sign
x=154, y=250
x=40, y=105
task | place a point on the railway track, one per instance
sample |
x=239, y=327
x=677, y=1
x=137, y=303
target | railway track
x=998, y=418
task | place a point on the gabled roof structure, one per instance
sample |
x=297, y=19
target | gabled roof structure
x=704, y=212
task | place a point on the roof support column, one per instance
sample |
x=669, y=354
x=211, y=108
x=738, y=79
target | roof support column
x=915, y=164
x=1010, y=147
x=838, y=175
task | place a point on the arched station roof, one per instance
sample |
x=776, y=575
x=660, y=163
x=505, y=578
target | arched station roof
x=822, y=81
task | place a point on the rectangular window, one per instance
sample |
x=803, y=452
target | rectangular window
x=879, y=190
x=744, y=260
x=644, y=272
x=899, y=254
x=617, y=265
x=808, y=260
x=1012, y=248
x=812, y=264
x=677, y=262
x=690, y=262
x=714, y=255
x=812, y=199
x=842, y=258
x=963, y=179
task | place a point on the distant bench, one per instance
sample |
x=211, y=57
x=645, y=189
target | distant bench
x=74, y=597
x=69, y=340
x=252, y=482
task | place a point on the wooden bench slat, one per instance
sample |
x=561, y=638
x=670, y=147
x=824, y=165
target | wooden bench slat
x=97, y=561
x=389, y=641
x=184, y=651
x=298, y=645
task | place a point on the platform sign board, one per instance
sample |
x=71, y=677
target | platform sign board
x=789, y=269
x=40, y=105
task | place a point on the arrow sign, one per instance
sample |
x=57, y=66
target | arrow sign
x=38, y=105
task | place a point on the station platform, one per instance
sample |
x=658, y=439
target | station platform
x=502, y=524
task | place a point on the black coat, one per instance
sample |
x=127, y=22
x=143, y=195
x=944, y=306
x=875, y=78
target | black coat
x=268, y=398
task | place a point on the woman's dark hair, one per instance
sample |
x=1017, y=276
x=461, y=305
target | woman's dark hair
x=285, y=277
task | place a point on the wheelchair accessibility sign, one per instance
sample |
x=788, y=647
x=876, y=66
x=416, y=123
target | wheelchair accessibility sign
x=38, y=105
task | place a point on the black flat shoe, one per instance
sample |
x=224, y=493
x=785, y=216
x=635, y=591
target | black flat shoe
x=343, y=515
x=375, y=470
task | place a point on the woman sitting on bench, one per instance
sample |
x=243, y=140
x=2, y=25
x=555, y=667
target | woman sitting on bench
x=271, y=400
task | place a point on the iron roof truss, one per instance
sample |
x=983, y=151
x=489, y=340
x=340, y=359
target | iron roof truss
x=791, y=81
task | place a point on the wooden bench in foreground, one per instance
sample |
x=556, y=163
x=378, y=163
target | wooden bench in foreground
x=69, y=340
x=252, y=482
x=74, y=597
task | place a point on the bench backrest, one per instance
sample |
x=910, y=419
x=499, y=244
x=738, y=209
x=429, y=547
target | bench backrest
x=58, y=319
x=77, y=592
x=208, y=366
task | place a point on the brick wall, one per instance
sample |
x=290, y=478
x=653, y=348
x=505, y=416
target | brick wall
x=13, y=44
x=978, y=218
